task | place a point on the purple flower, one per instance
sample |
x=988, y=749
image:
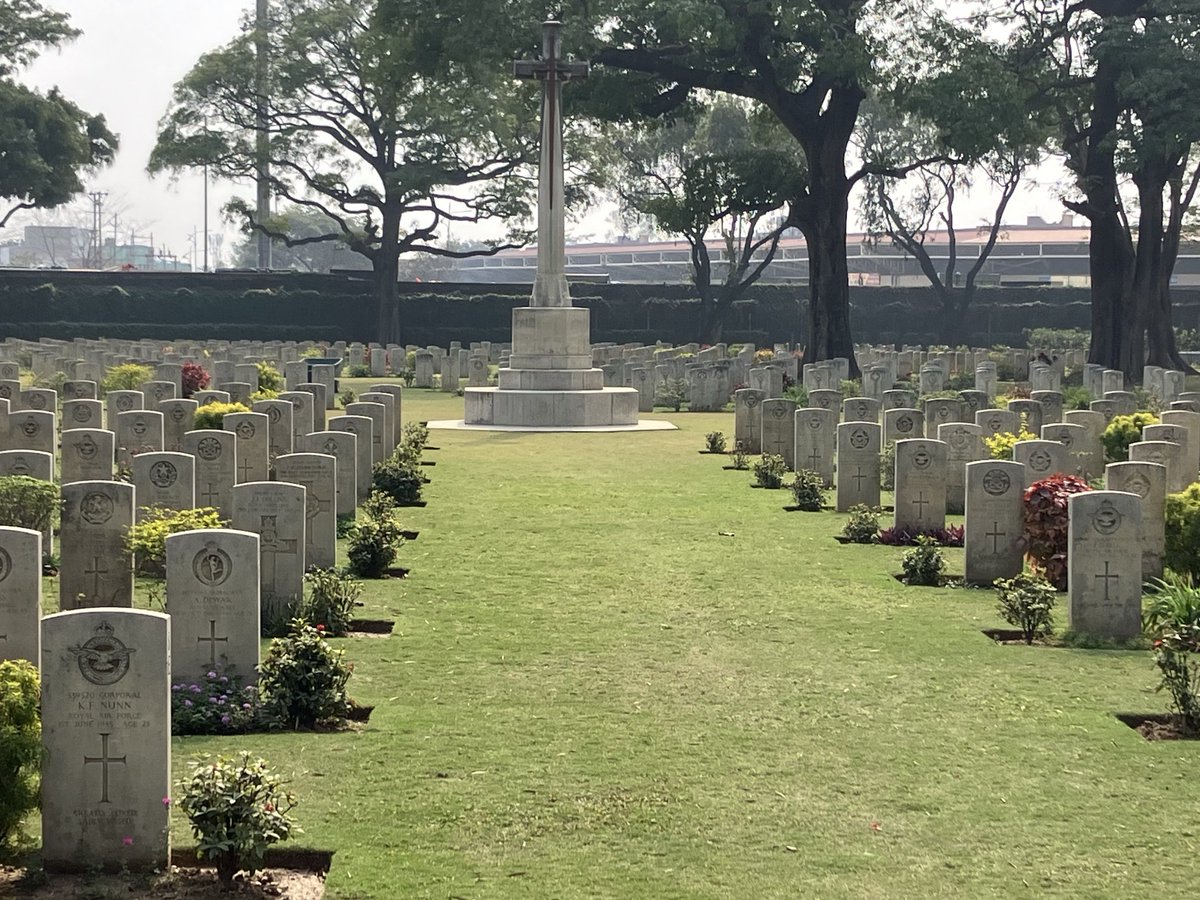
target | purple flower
x=225, y=720
x=195, y=688
x=188, y=703
x=176, y=687
x=214, y=674
x=247, y=705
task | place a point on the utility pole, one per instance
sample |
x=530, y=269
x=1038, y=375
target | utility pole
x=96, y=257
x=262, y=144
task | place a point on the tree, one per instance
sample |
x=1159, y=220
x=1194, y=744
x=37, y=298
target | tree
x=971, y=114
x=389, y=119
x=46, y=141
x=300, y=222
x=727, y=170
x=1122, y=74
x=810, y=62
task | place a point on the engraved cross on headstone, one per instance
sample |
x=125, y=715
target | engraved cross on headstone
x=212, y=640
x=1106, y=577
x=550, y=283
x=96, y=572
x=105, y=760
x=920, y=503
x=211, y=496
x=815, y=458
x=995, y=534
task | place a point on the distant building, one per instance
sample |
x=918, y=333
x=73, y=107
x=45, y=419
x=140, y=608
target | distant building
x=69, y=247
x=1037, y=252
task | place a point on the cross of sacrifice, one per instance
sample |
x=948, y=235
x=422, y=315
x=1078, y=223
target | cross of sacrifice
x=550, y=283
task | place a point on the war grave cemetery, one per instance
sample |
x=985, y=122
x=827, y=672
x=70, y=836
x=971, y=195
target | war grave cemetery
x=311, y=615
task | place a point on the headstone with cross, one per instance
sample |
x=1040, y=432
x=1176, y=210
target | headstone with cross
x=363, y=428
x=165, y=481
x=215, y=466
x=993, y=528
x=920, y=485
x=814, y=430
x=779, y=429
x=317, y=472
x=106, y=727
x=213, y=597
x=20, y=594
x=343, y=447
x=279, y=425
x=1149, y=481
x=252, y=430
x=747, y=418
x=276, y=512
x=94, y=569
x=179, y=417
x=857, y=464
x=1104, y=564
x=87, y=454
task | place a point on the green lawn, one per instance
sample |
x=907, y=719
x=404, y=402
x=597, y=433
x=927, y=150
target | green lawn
x=592, y=693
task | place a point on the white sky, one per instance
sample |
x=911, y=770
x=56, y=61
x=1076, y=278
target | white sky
x=125, y=64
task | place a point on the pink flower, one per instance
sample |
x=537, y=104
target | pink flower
x=127, y=841
x=166, y=801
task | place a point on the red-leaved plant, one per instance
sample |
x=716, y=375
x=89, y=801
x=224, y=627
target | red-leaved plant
x=1045, y=511
x=194, y=377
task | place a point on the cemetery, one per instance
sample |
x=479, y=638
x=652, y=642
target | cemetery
x=550, y=615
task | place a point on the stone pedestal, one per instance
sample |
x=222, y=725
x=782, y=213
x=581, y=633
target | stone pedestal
x=550, y=381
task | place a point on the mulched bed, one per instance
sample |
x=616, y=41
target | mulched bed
x=1005, y=635
x=428, y=462
x=1156, y=726
x=413, y=503
x=944, y=582
x=372, y=626
x=799, y=509
x=410, y=535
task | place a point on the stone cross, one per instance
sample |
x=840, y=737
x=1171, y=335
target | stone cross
x=550, y=283
x=212, y=641
x=105, y=761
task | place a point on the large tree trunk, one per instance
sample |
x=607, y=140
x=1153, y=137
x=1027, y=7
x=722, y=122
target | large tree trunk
x=828, y=275
x=387, y=299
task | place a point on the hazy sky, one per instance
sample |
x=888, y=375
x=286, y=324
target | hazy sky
x=124, y=65
x=130, y=55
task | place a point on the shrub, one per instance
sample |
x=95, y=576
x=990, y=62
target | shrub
x=797, y=393
x=808, y=490
x=741, y=459
x=269, y=378
x=20, y=744
x=923, y=564
x=1077, y=398
x=237, y=808
x=1000, y=444
x=261, y=394
x=330, y=601
x=126, y=377
x=399, y=477
x=193, y=377
x=312, y=353
x=769, y=471
x=415, y=436
x=960, y=381
x=302, y=681
x=863, y=525
x=950, y=536
x=1027, y=603
x=1058, y=338
x=714, y=442
x=218, y=703
x=374, y=542
x=1045, y=525
x=347, y=397
x=887, y=466
x=1123, y=431
x=28, y=503
x=358, y=371
x=762, y=357
x=1173, y=621
x=408, y=376
x=671, y=394
x=1183, y=531
x=147, y=540
x=212, y=415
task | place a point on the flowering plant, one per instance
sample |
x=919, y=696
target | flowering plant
x=214, y=704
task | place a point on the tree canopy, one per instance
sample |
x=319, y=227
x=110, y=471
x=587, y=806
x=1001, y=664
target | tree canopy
x=380, y=116
x=47, y=143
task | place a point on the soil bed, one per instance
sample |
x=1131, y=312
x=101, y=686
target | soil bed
x=1156, y=726
x=372, y=626
x=944, y=582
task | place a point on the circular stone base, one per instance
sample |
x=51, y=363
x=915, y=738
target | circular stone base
x=643, y=425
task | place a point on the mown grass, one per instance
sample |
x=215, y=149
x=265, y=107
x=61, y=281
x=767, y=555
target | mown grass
x=591, y=692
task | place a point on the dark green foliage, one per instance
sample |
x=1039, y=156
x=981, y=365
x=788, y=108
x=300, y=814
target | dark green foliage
x=330, y=601
x=28, y=503
x=714, y=442
x=863, y=525
x=1183, y=532
x=769, y=471
x=808, y=490
x=1027, y=603
x=374, y=541
x=20, y=744
x=924, y=563
x=398, y=477
x=1172, y=620
x=302, y=680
